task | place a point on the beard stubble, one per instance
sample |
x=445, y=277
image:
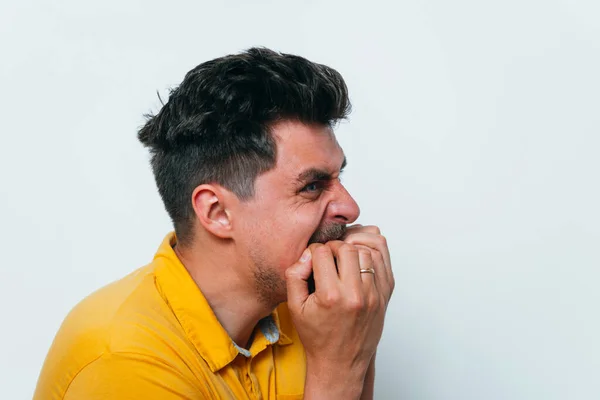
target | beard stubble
x=270, y=285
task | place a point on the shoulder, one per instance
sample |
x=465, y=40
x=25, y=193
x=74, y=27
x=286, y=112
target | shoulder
x=109, y=313
x=132, y=376
x=127, y=317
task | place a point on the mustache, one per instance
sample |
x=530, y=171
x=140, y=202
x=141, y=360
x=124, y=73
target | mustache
x=328, y=233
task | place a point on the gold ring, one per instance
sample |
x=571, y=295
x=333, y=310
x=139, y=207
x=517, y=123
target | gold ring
x=367, y=271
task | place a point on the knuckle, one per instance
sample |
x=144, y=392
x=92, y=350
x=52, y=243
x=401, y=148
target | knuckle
x=314, y=246
x=321, y=250
x=289, y=273
x=378, y=257
x=392, y=278
x=371, y=229
x=331, y=298
x=374, y=301
x=365, y=252
x=348, y=249
x=382, y=240
x=334, y=244
x=355, y=303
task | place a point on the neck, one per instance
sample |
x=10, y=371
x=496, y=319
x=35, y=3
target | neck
x=227, y=284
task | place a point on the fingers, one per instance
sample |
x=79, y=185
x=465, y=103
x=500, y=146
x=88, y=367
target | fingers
x=377, y=263
x=296, y=276
x=360, y=228
x=372, y=240
x=366, y=262
x=348, y=262
x=324, y=269
x=368, y=237
x=351, y=259
x=336, y=268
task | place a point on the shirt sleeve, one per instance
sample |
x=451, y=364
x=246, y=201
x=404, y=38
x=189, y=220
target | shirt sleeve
x=132, y=376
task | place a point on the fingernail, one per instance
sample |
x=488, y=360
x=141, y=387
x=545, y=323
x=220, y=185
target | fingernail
x=305, y=256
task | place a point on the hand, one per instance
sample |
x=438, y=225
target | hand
x=370, y=238
x=340, y=324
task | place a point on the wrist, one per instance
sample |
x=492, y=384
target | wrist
x=334, y=382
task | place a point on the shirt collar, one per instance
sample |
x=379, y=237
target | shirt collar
x=197, y=318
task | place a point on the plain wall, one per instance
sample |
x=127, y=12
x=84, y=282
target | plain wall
x=474, y=144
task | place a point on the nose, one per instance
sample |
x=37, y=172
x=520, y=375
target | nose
x=343, y=208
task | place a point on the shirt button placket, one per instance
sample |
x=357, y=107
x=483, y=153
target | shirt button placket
x=252, y=384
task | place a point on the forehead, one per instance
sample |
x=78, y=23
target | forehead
x=301, y=146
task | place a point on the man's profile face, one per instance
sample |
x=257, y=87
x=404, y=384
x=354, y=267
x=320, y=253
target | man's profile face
x=300, y=200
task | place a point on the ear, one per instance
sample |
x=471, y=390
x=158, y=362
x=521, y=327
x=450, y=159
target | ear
x=210, y=205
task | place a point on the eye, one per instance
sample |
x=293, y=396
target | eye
x=313, y=187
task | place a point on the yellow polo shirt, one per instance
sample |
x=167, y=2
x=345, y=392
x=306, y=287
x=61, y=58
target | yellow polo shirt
x=153, y=335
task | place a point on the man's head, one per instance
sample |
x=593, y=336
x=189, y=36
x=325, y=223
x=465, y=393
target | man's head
x=244, y=153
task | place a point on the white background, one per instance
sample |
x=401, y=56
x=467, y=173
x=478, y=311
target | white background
x=474, y=144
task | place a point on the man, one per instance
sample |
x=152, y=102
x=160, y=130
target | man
x=248, y=168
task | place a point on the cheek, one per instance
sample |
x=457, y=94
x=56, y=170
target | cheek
x=293, y=237
x=282, y=233
x=278, y=238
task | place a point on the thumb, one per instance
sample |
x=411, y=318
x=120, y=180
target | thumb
x=296, y=276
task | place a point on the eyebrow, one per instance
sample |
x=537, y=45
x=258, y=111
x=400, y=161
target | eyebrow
x=317, y=174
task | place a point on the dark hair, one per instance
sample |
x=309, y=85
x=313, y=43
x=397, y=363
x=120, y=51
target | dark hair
x=215, y=127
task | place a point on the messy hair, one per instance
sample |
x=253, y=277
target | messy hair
x=215, y=126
